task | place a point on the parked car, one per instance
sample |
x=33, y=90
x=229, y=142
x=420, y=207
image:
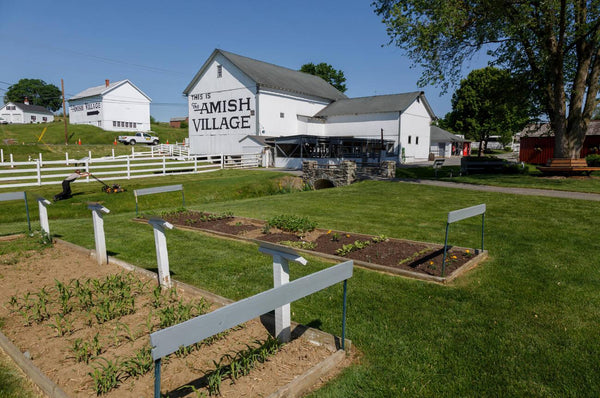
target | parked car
x=138, y=138
x=3, y=121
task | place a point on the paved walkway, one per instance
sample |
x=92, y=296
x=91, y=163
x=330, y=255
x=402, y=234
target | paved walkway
x=516, y=191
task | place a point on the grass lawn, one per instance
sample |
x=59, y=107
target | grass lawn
x=533, y=179
x=522, y=324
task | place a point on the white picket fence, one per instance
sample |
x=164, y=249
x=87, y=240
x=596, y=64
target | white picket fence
x=40, y=172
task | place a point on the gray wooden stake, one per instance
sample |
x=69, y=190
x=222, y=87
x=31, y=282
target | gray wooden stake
x=43, y=205
x=97, y=210
x=281, y=276
x=162, y=255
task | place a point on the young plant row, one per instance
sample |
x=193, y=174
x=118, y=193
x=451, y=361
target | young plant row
x=241, y=363
x=359, y=244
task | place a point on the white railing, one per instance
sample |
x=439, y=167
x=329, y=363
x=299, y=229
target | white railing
x=38, y=172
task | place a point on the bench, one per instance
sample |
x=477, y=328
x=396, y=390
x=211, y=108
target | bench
x=567, y=166
x=483, y=165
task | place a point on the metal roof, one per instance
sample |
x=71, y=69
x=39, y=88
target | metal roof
x=103, y=90
x=274, y=76
x=375, y=104
x=440, y=135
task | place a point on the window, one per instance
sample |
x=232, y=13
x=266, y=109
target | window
x=281, y=115
x=409, y=137
x=417, y=140
x=114, y=123
x=44, y=118
x=33, y=118
x=134, y=124
x=219, y=70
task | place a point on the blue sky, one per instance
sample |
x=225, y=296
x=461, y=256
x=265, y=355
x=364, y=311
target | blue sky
x=159, y=46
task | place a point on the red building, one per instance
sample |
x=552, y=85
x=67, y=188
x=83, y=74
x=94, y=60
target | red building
x=537, y=143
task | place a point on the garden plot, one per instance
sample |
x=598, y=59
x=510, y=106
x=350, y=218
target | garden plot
x=86, y=327
x=399, y=256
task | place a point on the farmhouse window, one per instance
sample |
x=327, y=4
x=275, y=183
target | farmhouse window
x=219, y=70
x=409, y=138
x=33, y=118
x=417, y=140
x=114, y=123
x=281, y=115
x=44, y=118
x=134, y=124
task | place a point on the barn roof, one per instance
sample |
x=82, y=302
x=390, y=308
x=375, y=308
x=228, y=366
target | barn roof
x=274, y=76
x=375, y=104
x=33, y=109
x=104, y=89
x=544, y=130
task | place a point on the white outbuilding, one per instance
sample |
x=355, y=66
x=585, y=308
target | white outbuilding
x=118, y=106
x=233, y=97
x=24, y=113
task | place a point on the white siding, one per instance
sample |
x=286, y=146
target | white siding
x=123, y=109
x=222, y=110
x=415, y=123
x=278, y=112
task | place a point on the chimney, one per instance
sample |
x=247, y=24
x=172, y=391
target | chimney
x=26, y=101
x=107, y=82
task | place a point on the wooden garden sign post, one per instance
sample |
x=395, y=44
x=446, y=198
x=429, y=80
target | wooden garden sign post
x=162, y=255
x=281, y=276
x=43, y=205
x=97, y=210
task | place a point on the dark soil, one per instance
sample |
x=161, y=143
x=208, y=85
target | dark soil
x=420, y=257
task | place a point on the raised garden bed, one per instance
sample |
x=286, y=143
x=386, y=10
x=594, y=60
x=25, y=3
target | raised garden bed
x=85, y=327
x=410, y=258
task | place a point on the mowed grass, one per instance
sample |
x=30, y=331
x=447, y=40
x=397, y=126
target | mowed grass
x=531, y=179
x=524, y=323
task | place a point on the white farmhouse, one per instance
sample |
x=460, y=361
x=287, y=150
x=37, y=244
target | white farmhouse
x=233, y=98
x=24, y=113
x=118, y=106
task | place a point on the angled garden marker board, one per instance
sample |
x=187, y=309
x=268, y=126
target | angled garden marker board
x=281, y=275
x=169, y=340
x=43, y=208
x=162, y=255
x=461, y=214
x=150, y=191
x=97, y=210
x=4, y=197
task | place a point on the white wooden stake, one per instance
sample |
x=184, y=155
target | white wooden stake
x=281, y=276
x=162, y=255
x=97, y=210
x=43, y=203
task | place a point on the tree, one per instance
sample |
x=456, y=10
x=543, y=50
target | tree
x=37, y=92
x=554, y=44
x=328, y=73
x=488, y=102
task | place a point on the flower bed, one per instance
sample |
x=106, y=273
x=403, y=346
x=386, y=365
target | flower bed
x=380, y=252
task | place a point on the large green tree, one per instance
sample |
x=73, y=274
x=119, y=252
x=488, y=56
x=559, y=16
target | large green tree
x=489, y=102
x=37, y=92
x=328, y=73
x=555, y=44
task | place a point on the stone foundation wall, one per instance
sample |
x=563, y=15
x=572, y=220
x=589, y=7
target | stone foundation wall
x=345, y=173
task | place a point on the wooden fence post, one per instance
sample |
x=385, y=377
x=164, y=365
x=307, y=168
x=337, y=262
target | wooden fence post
x=162, y=255
x=97, y=210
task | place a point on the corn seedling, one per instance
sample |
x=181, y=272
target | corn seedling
x=138, y=365
x=62, y=325
x=106, y=376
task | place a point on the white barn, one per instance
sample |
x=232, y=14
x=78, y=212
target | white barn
x=24, y=113
x=232, y=97
x=118, y=106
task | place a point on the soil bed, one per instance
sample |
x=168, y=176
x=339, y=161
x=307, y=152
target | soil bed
x=394, y=254
x=22, y=278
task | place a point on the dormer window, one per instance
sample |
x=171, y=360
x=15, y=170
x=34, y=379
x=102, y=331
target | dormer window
x=219, y=71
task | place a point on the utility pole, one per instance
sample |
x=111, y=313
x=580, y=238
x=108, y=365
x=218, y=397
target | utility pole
x=62, y=84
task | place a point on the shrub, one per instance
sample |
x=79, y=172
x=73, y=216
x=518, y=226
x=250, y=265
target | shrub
x=593, y=160
x=292, y=223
